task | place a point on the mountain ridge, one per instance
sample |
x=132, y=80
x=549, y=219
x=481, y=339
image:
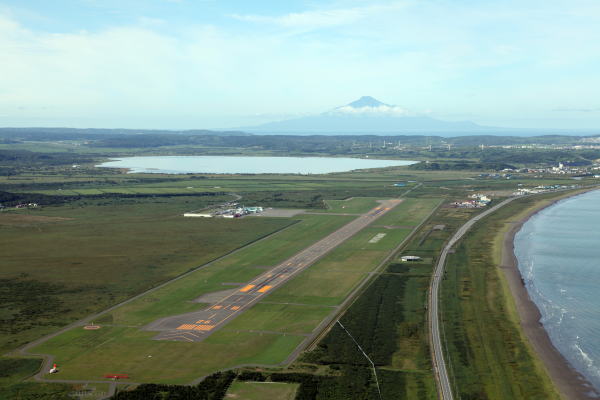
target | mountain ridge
x=363, y=116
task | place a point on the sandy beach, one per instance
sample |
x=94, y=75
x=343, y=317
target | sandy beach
x=569, y=382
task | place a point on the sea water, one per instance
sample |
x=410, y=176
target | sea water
x=558, y=251
x=248, y=165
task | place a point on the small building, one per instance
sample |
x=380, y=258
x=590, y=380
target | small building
x=202, y=215
x=410, y=258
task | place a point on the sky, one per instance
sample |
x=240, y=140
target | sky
x=205, y=64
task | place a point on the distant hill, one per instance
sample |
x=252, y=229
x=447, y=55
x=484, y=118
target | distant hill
x=88, y=133
x=366, y=115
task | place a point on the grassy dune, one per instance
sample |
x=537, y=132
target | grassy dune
x=488, y=355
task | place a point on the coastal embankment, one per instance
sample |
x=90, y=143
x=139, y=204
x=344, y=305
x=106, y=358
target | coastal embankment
x=569, y=382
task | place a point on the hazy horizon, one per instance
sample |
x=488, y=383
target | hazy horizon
x=182, y=64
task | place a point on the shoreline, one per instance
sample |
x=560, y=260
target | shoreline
x=569, y=382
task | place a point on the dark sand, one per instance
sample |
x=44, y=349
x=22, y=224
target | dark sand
x=570, y=383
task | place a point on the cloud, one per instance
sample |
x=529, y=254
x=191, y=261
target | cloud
x=151, y=22
x=578, y=110
x=320, y=18
x=382, y=110
x=495, y=59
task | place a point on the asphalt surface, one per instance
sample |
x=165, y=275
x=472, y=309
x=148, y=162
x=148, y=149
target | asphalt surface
x=439, y=364
x=196, y=326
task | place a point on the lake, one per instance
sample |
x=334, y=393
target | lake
x=246, y=165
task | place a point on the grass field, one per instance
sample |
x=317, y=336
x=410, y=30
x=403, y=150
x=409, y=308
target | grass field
x=354, y=205
x=266, y=334
x=160, y=183
x=241, y=266
x=119, y=346
x=89, y=355
x=333, y=277
x=61, y=263
x=261, y=391
x=12, y=373
x=410, y=212
x=129, y=244
x=283, y=318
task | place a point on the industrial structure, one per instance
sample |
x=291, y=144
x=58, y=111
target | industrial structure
x=232, y=210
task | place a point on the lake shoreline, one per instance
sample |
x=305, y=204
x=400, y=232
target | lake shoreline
x=570, y=383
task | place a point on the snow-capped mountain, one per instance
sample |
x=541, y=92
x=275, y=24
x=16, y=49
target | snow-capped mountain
x=366, y=115
x=368, y=105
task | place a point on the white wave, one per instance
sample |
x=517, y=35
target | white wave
x=589, y=362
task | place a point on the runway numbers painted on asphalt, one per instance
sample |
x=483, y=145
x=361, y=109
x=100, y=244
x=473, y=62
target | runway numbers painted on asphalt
x=264, y=289
x=235, y=308
x=217, y=307
x=247, y=288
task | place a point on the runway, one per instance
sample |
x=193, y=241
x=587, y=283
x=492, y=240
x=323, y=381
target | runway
x=196, y=326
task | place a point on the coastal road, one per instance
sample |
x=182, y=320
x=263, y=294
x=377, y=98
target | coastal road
x=196, y=326
x=437, y=350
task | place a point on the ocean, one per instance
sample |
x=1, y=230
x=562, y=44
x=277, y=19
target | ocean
x=558, y=251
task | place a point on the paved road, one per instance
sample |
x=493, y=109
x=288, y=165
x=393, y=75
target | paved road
x=439, y=364
x=196, y=326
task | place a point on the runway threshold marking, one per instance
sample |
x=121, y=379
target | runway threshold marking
x=194, y=327
x=264, y=289
x=203, y=327
x=247, y=288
